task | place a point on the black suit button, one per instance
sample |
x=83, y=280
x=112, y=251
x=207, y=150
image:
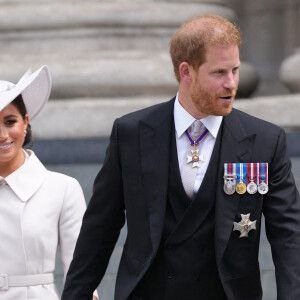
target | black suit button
x=170, y=275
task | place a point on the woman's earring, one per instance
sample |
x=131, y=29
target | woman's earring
x=25, y=133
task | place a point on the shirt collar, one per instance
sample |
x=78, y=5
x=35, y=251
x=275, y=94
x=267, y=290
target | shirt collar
x=27, y=179
x=183, y=120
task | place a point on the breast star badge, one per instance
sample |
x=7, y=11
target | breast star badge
x=195, y=158
x=245, y=225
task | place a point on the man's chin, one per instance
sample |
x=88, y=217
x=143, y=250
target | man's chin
x=228, y=110
x=225, y=111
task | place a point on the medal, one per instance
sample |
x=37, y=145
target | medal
x=241, y=188
x=263, y=188
x=244, y=226
x=229, y=187
x=229, y=178
x=251, y=187
x=196, y=158
x=241, y=172
x=245, y=177
x=263, y=172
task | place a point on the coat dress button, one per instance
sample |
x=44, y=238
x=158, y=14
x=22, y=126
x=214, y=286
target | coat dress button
x=170, y=275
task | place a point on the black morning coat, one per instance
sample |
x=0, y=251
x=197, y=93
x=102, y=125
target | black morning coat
x=134, y=179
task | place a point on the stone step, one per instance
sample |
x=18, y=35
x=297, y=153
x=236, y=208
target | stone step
x=88, y=118
x=109, y=73
x=36, y=16
x=100, y=48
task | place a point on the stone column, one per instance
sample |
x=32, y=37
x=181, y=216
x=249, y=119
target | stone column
x=290, y=67
x=262, y=24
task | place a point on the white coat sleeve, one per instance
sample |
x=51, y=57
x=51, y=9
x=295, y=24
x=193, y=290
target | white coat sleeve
x=70, y=221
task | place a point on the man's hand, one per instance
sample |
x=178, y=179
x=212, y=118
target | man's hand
x=95, y=298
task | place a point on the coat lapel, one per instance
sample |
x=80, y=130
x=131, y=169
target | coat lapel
x=236, y=147
x=155, y=134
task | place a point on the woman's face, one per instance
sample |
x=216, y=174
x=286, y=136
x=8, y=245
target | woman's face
x=12, y=126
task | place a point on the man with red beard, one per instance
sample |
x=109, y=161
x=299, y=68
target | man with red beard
x=193, y=177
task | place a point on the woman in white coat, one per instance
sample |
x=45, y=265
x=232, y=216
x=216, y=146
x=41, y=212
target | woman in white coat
x=39, y=210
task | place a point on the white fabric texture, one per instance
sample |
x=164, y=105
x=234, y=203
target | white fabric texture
x=39, y=211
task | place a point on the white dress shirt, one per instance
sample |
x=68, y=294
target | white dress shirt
x=183, y=120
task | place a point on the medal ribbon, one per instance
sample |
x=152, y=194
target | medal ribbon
x=244, y=166
x=225, y=172
x=238, y=172
x=251, y=170
x=199, y=139
x=229, y=172
x=262, y=171
x=234, y=172
x=248, y=170
x=241, y=172
x=263, y=167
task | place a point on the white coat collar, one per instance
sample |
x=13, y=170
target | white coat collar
x=26, y=180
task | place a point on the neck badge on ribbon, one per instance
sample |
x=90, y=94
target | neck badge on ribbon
x=196, y=158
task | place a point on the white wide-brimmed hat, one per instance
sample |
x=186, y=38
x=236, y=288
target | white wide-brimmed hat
x=35, y=89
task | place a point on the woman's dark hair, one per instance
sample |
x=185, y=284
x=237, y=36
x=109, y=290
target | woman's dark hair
x=19, y=104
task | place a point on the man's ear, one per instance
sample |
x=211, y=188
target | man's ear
x=185, y=71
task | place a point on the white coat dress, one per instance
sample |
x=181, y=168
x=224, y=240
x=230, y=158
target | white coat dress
x=39, y=211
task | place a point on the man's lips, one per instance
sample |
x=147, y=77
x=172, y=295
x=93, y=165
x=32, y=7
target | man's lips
x=226, y=98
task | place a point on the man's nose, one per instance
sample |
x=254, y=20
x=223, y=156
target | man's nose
x=231, y=82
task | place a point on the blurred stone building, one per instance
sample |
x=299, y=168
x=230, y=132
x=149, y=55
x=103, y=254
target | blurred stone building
x=110, y=57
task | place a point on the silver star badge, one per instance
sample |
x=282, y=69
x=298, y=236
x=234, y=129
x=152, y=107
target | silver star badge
x=245, y=225
x=195, y=158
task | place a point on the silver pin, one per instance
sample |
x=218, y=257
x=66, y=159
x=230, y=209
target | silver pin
x=245, y=225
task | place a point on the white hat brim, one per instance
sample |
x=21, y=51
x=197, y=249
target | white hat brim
x=35, y=89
